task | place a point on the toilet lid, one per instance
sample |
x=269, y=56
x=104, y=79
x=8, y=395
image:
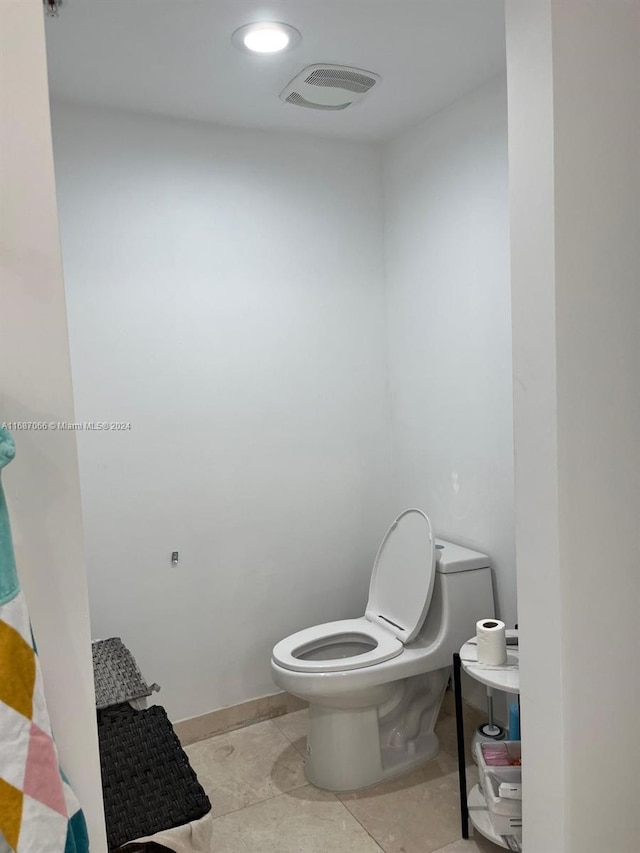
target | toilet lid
x=403, y=576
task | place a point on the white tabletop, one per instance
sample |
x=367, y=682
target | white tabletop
x=505, y=677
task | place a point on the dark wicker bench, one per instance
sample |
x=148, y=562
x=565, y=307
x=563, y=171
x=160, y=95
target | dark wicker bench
x=147, y=781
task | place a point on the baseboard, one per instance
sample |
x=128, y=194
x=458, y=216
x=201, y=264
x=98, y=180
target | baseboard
x=234, y=717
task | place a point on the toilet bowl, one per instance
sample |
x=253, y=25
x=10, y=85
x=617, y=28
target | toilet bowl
x=375, y=683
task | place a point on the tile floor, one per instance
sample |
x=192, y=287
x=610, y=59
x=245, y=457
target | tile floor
x=262, y=803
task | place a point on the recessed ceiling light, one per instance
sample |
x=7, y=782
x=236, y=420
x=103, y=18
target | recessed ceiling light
x=266, y=37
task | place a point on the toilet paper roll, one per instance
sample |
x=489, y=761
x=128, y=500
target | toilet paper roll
x=492, y=645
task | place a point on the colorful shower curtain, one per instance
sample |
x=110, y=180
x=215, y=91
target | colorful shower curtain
x=39, y=812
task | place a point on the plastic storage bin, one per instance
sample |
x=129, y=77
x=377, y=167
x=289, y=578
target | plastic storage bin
x=505, y=813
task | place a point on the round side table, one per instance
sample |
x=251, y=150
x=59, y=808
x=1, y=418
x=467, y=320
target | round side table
x=506, y=678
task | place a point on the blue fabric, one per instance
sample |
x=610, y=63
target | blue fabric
x=9, y=586
x=77, y=837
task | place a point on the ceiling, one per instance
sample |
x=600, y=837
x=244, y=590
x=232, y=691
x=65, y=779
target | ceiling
x=175, y=58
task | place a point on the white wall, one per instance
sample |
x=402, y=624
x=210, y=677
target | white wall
x=259, y=393
x=225, y=294
x=531, y=189
x=574, y=128
x=41, y=484
x=597, y=134
x=447, y=268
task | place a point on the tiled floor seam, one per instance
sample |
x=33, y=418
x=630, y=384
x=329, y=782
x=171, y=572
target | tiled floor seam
x=351, y=815
x=292, y=742
x=274, y=720
x=263, y=800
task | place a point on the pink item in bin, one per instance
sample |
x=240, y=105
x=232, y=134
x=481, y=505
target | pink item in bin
x=496, y=755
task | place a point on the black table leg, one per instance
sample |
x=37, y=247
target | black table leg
x=462, y=769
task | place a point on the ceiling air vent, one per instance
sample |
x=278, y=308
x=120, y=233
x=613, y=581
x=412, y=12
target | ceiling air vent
x=299, y=101
x=329, y=87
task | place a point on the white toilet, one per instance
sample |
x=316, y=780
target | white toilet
x=375, y=684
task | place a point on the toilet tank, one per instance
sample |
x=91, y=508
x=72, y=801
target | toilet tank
x=451, y=558
x=462, y=595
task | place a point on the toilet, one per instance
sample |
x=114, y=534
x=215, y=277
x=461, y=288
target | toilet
x=375, y=684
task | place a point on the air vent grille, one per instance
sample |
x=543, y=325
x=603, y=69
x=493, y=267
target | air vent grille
x=338, y=78
x=330, y=88
x=299, y=101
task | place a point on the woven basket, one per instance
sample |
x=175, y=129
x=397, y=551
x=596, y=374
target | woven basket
x=116, y=675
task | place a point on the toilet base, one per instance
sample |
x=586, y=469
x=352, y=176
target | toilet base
x=340, y=756
x=350, y=749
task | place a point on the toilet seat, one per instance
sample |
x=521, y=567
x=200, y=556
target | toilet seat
x=320, y=638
